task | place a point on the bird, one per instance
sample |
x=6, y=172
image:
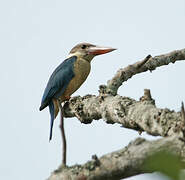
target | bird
x=69, y=76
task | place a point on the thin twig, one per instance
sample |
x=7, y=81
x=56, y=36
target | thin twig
x=62, y=134
x=183, y=112
x=183, y=120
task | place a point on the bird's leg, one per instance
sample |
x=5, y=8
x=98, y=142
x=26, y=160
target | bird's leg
x=62, y=133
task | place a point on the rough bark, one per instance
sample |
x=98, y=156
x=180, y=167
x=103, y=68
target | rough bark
x=142, y=115
x=123, y=163
x=149, y=63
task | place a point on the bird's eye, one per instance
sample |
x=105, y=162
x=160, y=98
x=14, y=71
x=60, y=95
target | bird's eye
x=84, y=46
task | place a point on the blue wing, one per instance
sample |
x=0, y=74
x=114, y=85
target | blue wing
x=58, y=81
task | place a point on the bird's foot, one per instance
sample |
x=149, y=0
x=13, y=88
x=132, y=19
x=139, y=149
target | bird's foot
x=67, y=98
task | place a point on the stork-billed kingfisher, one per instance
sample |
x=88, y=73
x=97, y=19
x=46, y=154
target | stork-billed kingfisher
x=69, y=76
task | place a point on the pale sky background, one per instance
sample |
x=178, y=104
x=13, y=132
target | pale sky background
x=36, y=36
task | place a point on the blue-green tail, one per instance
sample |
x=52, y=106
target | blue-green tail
x=52, y=114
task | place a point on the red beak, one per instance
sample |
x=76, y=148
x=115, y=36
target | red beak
x=97, y=50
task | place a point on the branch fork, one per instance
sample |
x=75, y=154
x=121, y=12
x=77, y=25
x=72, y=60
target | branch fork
x=142, y=115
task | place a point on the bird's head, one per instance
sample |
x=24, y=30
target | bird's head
x=88, y=51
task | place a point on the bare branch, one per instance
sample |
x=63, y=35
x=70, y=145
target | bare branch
x=140, y=115
x=123, y=163
x=149, y=63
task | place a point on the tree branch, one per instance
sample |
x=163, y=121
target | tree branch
x=142, y=115
x=123, y=163
x=149, y=63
